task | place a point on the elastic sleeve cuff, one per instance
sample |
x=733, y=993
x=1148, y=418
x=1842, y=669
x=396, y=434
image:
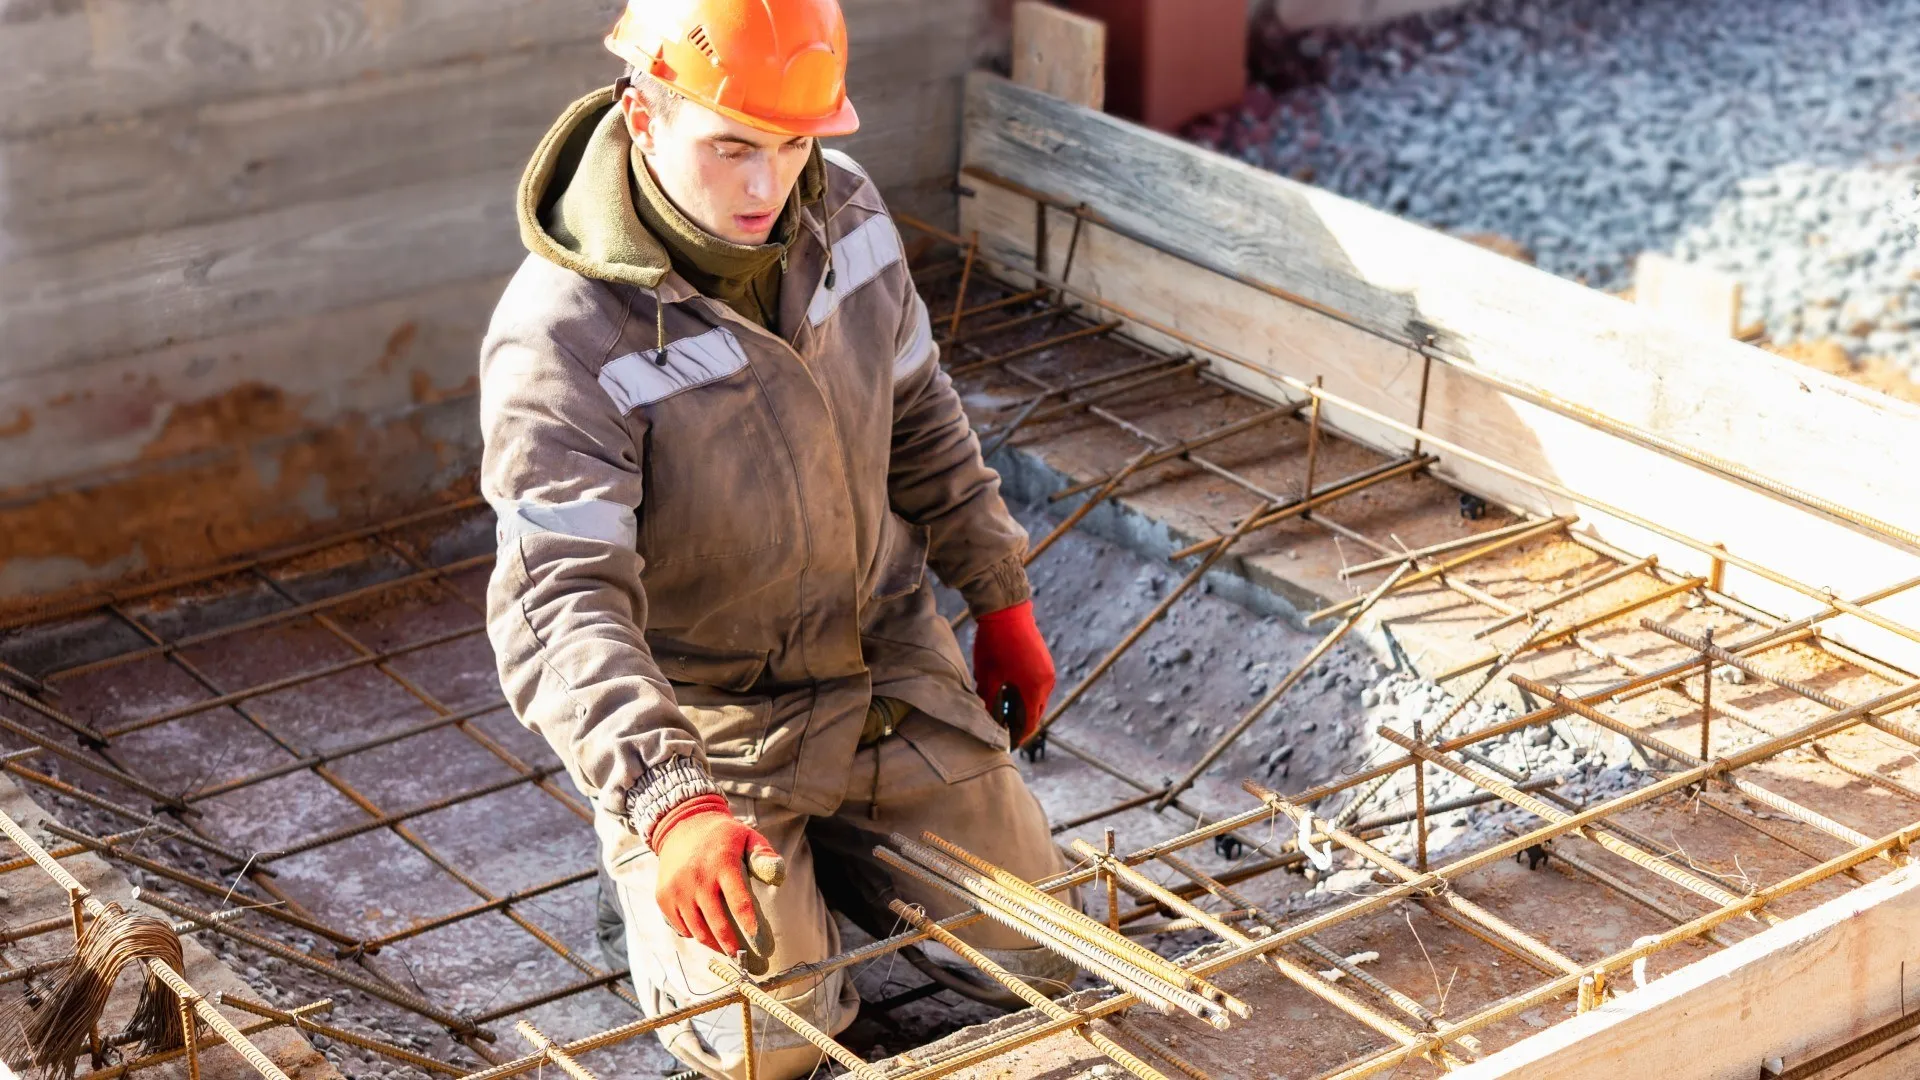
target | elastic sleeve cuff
x=1001, y=585
x=665, y=786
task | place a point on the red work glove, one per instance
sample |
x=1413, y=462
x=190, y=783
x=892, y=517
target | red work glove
x=703, y=862
x=1009, y=651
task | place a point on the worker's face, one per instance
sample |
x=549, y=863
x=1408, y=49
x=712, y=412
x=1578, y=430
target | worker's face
x=730, y=179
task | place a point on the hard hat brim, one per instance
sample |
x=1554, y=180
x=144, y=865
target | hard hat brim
x=845, y=121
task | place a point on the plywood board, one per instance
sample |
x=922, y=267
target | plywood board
x=1381, y=283
x=1060, y=53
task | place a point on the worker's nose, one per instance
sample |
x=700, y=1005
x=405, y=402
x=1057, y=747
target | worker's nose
x=761, y=182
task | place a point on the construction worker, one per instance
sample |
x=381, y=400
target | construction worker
x=723, y=455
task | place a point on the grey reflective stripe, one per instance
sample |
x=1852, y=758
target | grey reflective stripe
x=841, y=158
x=585, y=519
x=639, y=378
x=858, y=258
x=920, y=350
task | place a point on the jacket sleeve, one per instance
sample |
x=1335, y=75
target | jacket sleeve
x=937, y=479
x=565, y=608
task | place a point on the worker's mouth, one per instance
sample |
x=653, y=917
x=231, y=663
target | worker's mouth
x=754, y=224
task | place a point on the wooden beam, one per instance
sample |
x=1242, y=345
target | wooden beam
x=1687, y=295
x=1058, y=52
x=1307, y=283
x=1791, y=991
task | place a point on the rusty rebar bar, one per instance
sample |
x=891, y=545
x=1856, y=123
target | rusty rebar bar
x=1301, y=977
x=158, y=969
x=1530, y=612
x=114, y=851
x=1120, y=1055
x=1272, y=697
x=1569, y=632
x=777, y=1009
x=1286, y=509
x=560, y=1058
x=351, y=1038
x=1054, y=342
x=1119, y=967
x=390, y=995
x=263, y=621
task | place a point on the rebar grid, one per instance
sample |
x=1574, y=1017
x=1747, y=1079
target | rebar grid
x=1115, y=398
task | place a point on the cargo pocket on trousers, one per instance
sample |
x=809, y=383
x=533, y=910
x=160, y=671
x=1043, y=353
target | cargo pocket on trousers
x=952, y=753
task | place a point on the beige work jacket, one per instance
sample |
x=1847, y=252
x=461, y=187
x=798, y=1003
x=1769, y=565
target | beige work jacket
x=711, y=556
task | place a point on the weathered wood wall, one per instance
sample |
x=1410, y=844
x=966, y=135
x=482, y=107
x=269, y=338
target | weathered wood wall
x=247, y=250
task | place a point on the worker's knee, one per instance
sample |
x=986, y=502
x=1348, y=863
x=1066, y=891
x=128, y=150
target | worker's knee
x=1043, y=968
x=714, y=1043
x=610, y=923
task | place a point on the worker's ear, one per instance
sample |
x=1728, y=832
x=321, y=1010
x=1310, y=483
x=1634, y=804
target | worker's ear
x=639, y=121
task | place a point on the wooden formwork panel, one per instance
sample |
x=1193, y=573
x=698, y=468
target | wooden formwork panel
x=1289, y=281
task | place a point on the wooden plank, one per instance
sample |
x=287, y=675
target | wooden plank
x=1791, y=991
x=1687, y=295
x=1405, y=282
x=1276, y=337
x=1060, y=53
x=1525, y=325
x=193, y=164
x=203, y=281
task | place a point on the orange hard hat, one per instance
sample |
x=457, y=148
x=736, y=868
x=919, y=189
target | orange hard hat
x=776, y=65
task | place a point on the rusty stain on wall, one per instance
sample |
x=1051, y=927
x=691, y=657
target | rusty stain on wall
x=247, y=413
x=19, y=425
x=425, y=393
x=231, y=473
x=399, y=344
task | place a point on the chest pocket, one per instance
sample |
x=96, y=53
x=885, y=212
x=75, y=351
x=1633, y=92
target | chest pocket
x=711, y=457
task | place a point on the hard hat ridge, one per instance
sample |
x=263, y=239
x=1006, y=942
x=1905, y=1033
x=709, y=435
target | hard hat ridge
x=776, y=65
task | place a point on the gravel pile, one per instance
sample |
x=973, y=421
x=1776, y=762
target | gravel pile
x=1778, y=141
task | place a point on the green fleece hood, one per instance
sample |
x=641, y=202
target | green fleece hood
x=577, y=199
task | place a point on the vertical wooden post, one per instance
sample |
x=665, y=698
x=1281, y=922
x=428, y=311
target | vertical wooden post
x=1058, y=52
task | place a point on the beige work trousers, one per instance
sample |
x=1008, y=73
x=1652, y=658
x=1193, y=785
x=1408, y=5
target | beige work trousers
x=928, y=776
